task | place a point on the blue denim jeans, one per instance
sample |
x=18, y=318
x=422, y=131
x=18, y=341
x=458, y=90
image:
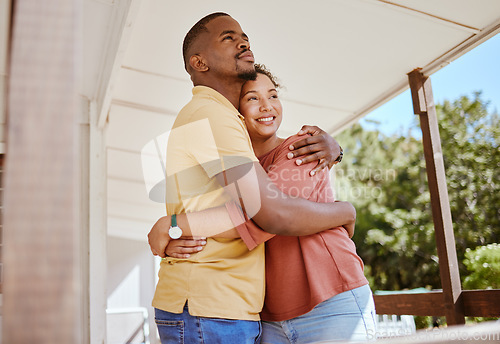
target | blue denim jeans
x=187, y=329
x=349, y=316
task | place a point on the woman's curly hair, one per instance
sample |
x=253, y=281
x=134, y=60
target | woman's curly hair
x=262, y=69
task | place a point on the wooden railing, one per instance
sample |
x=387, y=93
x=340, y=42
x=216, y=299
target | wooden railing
x=475, y=303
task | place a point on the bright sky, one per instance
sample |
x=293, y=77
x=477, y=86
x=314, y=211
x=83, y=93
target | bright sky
x=477, y=70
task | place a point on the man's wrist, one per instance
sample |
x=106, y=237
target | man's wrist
x=174, y=232
x=183, y=223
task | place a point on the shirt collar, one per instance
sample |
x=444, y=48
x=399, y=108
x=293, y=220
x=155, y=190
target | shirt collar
x=210, y=92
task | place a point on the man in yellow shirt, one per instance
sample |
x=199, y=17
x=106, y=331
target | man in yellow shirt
x=216, y=295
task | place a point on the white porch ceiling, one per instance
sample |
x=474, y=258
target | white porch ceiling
x=338, y=59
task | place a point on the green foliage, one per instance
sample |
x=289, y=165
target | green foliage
x=385, y=178
x=483, y=263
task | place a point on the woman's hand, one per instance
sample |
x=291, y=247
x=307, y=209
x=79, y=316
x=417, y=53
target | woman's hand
x=350, y=229
x=158, y=237
x=184, y=247
x=318, y=146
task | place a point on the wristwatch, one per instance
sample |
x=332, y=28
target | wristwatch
x=174, y=232
x=339, y=159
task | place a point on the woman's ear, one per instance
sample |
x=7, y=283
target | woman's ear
x=197, y=63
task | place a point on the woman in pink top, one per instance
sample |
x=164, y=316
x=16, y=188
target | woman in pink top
x=315, y=286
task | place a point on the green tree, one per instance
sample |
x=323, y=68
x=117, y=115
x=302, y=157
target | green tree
x=471, y=140
x=385, y=178
x=483, y=263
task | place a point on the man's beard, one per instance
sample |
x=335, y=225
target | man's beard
x=248, y=75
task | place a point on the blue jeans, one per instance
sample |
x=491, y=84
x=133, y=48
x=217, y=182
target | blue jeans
x=187, y=329
x=349, y=316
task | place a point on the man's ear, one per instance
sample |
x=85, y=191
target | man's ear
x=197, y=63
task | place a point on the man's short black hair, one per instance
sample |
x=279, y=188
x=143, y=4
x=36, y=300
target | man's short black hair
x=195, y=31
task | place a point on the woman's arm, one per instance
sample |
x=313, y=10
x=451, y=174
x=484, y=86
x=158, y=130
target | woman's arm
x=317, y=210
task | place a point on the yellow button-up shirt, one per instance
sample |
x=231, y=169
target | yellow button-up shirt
x=225, y=280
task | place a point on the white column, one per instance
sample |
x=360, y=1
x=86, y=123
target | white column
x=97, y=228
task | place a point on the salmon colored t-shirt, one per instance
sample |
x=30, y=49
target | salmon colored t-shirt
x=301, y=272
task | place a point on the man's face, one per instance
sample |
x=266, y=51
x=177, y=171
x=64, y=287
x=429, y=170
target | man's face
x=227, y=50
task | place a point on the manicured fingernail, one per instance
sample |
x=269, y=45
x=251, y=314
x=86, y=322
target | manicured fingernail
x=313, y=173
x=291, y=147
x=187, y=255
x=289, y=155
x=298, y=162
x=203, y=242
x=199, y=248
x=301, y=132
x=203, y=238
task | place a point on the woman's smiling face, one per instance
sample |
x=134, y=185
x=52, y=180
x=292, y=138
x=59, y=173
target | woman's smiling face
x=261, y=107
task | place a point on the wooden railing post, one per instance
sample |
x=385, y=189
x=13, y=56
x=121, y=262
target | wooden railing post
x=423, y=105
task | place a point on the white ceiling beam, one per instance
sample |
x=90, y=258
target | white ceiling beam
x=462, y=48
x=118, y=36
x=426, y=15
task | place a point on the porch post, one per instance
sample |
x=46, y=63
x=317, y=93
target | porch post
x=42, y=286
x=423, y=105
x=98, y=224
